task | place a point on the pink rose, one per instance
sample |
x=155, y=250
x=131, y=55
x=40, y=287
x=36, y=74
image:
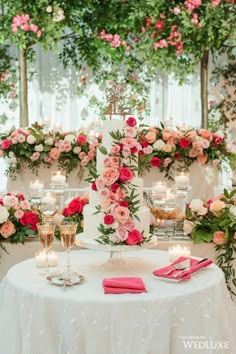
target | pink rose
x=192, y=135
x=131, y=122
x=121, y=214
x=7, y=229
x=99, y=183
x=122, y=232
x=126, y=174
x=219, y=238
x=104, y=193
x=54, y=154
x=126, y=151
x=151, y=136
x=130, y=224
x=120, y=194
x=134, y=237
x=130, y=142
x=196, y=145
x=35, y=156
x=18, y=214
x=202, y=159
x=205, y=143
x=166, y=161
x=110, y=176
x=6, y=144
x=167, y=148
x=205, y=134
x=82, y=155
x=130, y=132
x=148, y=150
x=115, y=149
x=166, y=135
x=217, y=207
x=105, y=203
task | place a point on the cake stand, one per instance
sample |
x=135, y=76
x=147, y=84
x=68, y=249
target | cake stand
x=115, y=252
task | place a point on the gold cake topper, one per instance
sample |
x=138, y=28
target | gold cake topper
x=116, y=99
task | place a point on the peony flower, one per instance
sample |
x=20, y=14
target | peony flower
x=121, y=214
x=134, y=238
x=25, y=204
x=4, y=214
x=188, y=227
x=219, y=238
x=7, y=229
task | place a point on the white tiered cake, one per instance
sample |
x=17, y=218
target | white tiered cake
x=115, y=213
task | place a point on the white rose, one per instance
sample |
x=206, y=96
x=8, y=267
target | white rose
x=232, y=211
x=70, y=137
x=196, y=205
x=9, y=201
x=49, y=9
x=158, y=144
x=38, y=148
x=30, y=139
x=188, y=227
x=77, y=150
x=49, y=141
x=202, y=211
x=4, y=214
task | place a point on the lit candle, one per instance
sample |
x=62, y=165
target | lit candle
x=52, y=259
x=41, y=259
x=178, y=251
x=159, y=189
x=36, y=186
x=58, y=178
x=182, y=181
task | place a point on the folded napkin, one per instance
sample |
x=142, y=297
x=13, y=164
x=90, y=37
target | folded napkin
x=123, y=285
x=185, y=274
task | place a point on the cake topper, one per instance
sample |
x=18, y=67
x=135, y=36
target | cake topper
x=116, y=98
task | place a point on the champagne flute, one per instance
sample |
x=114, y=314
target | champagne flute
x=46, y=232
x=67, y=233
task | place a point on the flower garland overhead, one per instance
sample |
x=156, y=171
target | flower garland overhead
x=160, y=147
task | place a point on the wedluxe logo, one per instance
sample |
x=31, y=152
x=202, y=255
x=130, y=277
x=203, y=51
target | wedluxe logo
x=202, y=343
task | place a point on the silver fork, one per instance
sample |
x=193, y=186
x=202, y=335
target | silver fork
x=182, y=265
x=176, y=275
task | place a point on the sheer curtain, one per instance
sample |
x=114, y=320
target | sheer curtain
x=52, y=96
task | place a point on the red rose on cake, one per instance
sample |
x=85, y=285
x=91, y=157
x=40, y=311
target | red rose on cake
x=131, y=122
x=126, y=174
x=134, y=237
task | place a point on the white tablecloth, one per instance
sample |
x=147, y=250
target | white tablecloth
x=40, y=318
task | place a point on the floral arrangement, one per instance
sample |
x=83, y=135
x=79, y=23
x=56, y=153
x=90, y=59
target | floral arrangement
x=118, y=202
x=160, y=147
x=17, y=219
x=215, y=221
x=34, y=147
x=74, y=211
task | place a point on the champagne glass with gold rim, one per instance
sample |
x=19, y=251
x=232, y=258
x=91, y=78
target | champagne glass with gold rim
x=67, y=233
x=46, y=231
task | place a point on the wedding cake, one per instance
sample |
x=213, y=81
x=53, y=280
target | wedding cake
x=115, y=213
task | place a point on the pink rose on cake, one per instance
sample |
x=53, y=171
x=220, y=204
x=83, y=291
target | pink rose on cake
x=126, y=174
x=130, y=224
x=121, y=214
x=112, y=161
x=130, y=132
x=130, y=142
x=122, y=233
x=105, y=204
x=134, y=237
x=99, y=183
x=115, y=149
x=110, y=176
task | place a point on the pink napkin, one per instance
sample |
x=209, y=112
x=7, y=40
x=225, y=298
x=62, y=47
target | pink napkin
x=194, y=267
x=123, y=285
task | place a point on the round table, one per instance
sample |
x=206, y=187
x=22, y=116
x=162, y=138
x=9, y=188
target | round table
x=171, y=318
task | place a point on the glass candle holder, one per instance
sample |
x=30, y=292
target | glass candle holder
x=177, y=251
x=58, y=179
x=182, y=180
x=48, y=206
x=159, y=190
x=36, y=190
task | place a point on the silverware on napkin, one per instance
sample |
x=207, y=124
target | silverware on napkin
x=181, y=265
x=176, y=275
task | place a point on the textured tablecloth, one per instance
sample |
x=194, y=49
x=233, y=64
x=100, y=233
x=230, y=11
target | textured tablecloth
x=194, y=316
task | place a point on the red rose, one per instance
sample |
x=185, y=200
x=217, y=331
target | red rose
x=82, y=139
x=94, y=187
x=133, y=150
x=177, y=156
x=108, y=219
x=65, y=212
x=29, y=218
x=126, y=174
x=141, y=153
x=6, y=144
x=144, y=144
x=134, y=237
x=155, y=161
x=75, y=206
x=124, y=203
x=184, y=143
x=21, y=197
x=114, y=187
x=131, y=122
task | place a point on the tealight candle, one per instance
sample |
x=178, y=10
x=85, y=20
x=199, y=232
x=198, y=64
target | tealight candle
x=177, y=251
x=41, y=259
x=182, y=180
x=159, y=189
x=58, y=178
x=36, y=187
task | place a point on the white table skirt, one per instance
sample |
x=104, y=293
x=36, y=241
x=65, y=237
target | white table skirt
x=39, y=318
